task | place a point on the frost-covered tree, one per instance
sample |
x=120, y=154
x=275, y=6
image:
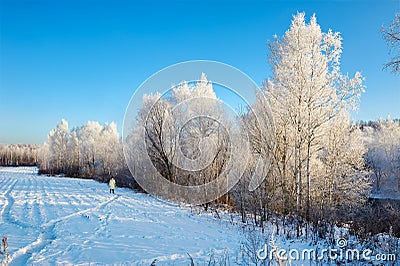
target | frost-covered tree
x=91, y=150
x=307, y=91
x=185, y=134
x=108, y=143
x=341, y=183
x=57, y=144
x=89, y=136
x=391, y=34
x=202, y=140
x=383, y=155
x=310, y=99
x=73, y=154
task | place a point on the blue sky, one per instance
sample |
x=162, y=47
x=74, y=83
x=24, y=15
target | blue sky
x=82, y=60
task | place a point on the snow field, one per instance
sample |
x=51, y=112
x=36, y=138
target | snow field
x=66, y=221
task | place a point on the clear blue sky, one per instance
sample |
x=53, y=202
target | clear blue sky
x=82, y=60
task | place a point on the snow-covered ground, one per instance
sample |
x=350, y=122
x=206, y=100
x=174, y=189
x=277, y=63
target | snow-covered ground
x=66, y=221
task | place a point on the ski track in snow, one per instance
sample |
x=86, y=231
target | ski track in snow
x=58, y=221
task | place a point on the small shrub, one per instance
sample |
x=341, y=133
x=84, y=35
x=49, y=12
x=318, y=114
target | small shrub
x=5, y=255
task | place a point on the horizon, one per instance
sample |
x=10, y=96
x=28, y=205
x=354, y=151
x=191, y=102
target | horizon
x=82, y=61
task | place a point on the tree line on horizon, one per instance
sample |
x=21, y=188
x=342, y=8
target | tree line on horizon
x=19, y=154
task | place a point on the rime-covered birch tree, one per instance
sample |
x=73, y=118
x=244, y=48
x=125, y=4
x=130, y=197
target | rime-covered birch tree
x=109, y=140
x=88, y=136
x=183, y=142
x=57, y=144
x=309, y=97
x=391, y=34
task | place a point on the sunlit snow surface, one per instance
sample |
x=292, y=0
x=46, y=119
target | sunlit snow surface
x=61, y=221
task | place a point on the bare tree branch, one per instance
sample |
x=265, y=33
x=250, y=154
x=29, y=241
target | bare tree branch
x=391, y=34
